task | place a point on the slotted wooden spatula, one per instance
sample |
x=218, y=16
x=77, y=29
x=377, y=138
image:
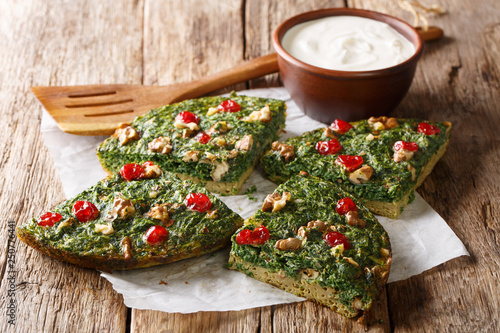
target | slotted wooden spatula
x=98, y=109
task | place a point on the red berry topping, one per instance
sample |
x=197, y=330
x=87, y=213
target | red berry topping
x=187, y=117
x=156, y=235
x=132, y=171
x=229, y=106
x=345, y=205
x=259, y=235
x=350, y=162
x=243, y=237
x=406, y=145
x=202, y=137
x=85, y=211
x=428, y=129
x=340, y=126
x=198, y=201
x=328, y=147
x=334, y=238
x=49, y=219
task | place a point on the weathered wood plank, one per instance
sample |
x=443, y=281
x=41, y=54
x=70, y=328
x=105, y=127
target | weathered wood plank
x=42, y=43
x=458, y=80
x=186, y=40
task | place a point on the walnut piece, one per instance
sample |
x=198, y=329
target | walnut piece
x=127, y=248
x=160, y=145
x=317, y=224
x=308, y=273
x=219, y=127
x=212, y=111
x=327, y=131
x=403, y=155
x=288, y=244
x=151, y=170
x=275, y=202
x=361, y=175
x=413, y=172
x=190, y=156
x=264, y=115
x=382, y=123
x=191, y=126
x=354, y=220
x=245, y=143
x=126, y=133
x=160, y=213
x=105, y=229
x=121, y=208
x=285, y=150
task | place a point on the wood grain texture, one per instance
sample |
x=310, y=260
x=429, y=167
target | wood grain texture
x=458, y=80
x=60, y=42
x=186, y=40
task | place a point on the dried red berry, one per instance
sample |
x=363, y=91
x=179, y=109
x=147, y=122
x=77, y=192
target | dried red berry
x=85, y=211
x=406, y=145
x=350, y=162
x=198, y=201
x=328, y=147
x=345, y=205
x=259, y=235
x=334, y=238
x=243, y=236
x=229, y=106
x=202, y=137
x=340, y=126
x=187, y=117
x=49, y=219
x=428, y=129
x=132, y=171
x=156, y=235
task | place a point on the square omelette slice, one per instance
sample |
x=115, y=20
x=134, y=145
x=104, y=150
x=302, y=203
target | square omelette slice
x=380, y=160
x=216, y=141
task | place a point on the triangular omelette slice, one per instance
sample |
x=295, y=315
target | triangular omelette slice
x=317, y=241
x=140, y=217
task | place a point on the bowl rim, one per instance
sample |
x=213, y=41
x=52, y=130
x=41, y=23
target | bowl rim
x=402, y=27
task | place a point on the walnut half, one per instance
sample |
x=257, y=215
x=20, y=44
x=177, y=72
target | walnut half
x=125, y=133
x=275, y=202
x=288, y=244
x=361, y=175
x=284, y=150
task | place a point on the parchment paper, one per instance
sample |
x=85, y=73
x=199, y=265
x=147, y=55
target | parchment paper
x=420, y=238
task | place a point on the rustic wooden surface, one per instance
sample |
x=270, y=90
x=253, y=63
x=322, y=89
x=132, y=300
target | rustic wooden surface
x=161, y=42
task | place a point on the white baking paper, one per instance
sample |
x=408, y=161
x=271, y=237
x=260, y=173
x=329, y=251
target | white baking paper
x=420, y=238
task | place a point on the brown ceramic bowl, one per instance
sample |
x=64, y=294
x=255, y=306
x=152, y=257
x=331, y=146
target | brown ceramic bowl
x=326, y=95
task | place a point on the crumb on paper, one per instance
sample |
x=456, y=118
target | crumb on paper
x=186, y=282
x=163, y=282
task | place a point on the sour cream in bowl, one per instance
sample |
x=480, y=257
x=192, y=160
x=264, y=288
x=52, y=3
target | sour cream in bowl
x=346, y=63
x=347, y=43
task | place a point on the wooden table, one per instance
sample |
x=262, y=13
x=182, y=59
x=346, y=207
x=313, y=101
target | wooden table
x=161, y=42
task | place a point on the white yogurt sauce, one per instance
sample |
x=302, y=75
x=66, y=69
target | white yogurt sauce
x=347, y=43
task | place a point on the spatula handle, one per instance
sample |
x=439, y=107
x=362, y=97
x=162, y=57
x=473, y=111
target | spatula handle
x=248, y=70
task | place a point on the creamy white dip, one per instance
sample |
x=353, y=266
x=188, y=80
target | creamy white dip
x=347, y=43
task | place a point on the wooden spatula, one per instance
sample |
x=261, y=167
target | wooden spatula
x=98, y=109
